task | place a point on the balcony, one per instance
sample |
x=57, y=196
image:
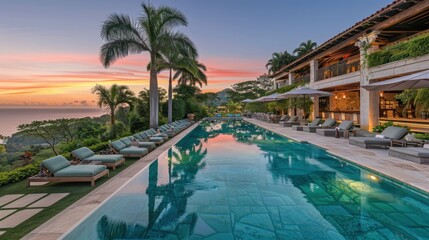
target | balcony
x=302, y=79
x=337, y=69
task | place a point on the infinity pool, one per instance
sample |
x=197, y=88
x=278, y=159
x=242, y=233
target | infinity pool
x=233, y=180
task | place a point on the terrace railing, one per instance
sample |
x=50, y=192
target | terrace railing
x=302, y=79
x=337, y=69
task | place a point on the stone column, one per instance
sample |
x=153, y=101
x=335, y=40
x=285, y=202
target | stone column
x=314, y=65
x=291, y=78
x=274, y=83
x=369, y=100
x=315, y=113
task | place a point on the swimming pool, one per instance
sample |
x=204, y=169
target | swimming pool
x=234, y=180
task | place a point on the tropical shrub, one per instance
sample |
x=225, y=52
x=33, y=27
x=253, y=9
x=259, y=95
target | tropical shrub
x=422, y=136
x=415, y=47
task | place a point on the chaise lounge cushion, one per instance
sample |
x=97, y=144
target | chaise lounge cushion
x=80, y=171
x=133, y=151
x=394, y=132
x=126, y=141
x=82, y=153
x=118, y=145
x=55, y=164
x=370, y=140
x=413, y=151
x=111, y=158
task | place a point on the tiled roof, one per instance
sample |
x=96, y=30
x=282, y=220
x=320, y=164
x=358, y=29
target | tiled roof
x=377, y=17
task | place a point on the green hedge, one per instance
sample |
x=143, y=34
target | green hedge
x=415, y=47
x=19, y=174
x=22, y=173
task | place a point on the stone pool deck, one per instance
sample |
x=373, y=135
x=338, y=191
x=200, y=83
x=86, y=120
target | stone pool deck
x=410, y=173
x=75, y=213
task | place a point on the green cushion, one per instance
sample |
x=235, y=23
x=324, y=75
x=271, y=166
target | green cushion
x=345, y=125
x=149, y=145
x=134, y=151
x=329, y=122
x=315, y=122
x=394, y=132
x=55, y=164
x=126, y=141
x=80, y=171
x=137, y=136
x=105, y=158
x=82, y=153
x=118, y=145
x=156, y=139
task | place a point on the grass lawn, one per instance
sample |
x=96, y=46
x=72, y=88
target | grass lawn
x=76, y=190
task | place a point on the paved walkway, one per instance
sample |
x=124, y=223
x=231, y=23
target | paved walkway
x=10, y=218
x=414, y=174
x=77, y=212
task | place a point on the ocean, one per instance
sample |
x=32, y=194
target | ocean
x=11, y=118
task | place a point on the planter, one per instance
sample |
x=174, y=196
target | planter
x=190, y=116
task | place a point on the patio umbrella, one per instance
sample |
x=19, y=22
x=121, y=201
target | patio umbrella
x=247, y=100
x=304, y=91
x=269, y=98
x=416, y=80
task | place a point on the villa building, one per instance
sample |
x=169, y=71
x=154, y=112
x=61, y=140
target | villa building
x=341, y=65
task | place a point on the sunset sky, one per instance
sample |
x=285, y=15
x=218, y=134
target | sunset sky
x=49, y=48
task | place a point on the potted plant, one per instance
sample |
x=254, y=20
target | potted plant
x=422, y=102
x=190, y=116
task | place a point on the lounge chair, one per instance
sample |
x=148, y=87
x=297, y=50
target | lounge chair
x=136, y=142
x=128, y=151
x=142, y=136
x=414, y=154
x=153, y=133
x=59, y=169
x=328, y=123
x=283, y=119
x=314, y=123
x=289, y=123
x=384, y=139
x=85, y=154
x=344, y=126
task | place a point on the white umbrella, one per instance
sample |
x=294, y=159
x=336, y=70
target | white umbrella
x=247, y=101
x=416, y=80
x=269, y=98
x=304, y=91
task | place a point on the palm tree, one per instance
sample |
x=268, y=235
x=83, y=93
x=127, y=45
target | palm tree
x=278, y=60
x=152, y=33
x=112, y=98
x=192, y=75
x=177, y=56
x=304, y=48
x=233, y=107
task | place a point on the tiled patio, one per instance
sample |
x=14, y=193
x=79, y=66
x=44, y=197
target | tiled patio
x=414, y=174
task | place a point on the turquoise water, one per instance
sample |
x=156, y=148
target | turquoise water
x=233, y=180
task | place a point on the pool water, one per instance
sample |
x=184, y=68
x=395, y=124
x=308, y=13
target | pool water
x=234, y=180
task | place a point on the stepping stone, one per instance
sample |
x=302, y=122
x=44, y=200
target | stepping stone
x=1, y=232
x=48, y=200
x=9, y=198
x=24, y=201
x=38, y=183
x=18, y=218
x=4, y=213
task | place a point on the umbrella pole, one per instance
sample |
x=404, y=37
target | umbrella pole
x=304, y=107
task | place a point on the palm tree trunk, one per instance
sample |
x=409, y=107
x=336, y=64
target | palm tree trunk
x=153, y=90
x=170, y=99
x=112, y=117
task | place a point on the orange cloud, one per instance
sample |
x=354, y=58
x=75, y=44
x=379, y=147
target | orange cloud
x=53, y=77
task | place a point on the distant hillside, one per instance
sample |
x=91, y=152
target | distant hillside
x=223, y=97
